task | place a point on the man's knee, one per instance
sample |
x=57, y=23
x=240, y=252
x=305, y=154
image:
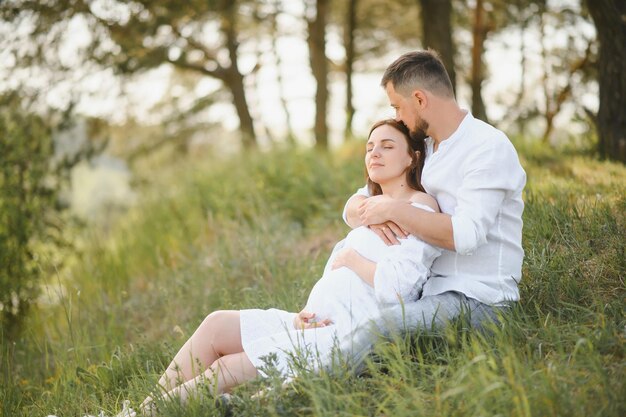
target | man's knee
x=427, y=313
x=486, y=318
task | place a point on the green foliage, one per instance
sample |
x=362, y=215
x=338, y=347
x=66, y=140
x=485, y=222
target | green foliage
x=33, y=221
x=26, y=195
x=255, y=231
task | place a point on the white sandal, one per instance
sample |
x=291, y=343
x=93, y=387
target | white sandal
x=126, y=410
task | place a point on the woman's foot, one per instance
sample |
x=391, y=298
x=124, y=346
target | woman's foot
x=126, y=410
x=148, y=408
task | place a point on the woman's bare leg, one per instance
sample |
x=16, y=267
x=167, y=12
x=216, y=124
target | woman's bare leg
x=224, y=374
x=218, y=335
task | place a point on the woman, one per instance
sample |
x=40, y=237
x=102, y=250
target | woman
x=230, y=347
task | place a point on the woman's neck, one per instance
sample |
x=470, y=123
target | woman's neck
x=398, y=189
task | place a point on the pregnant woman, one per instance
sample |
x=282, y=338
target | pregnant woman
x=229, y=347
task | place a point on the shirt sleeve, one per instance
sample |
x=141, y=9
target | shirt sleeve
x=403, y=270
x=361, y=191
x=491, y=174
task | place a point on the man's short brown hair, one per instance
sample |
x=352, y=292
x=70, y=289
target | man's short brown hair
x=419, y=70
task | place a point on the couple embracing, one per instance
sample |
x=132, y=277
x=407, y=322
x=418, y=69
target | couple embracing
x=436, y=233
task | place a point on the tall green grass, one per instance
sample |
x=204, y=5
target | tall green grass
x=255, y=231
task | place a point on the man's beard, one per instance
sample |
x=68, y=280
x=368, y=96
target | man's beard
x=419, y=130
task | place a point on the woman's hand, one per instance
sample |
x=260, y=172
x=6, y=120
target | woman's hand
x=389, y=232
x=306, y=320
x=345, y=257
x=360, y=265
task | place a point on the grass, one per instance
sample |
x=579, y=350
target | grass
x=255, y=231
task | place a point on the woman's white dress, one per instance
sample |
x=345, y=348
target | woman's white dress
x=343, y=297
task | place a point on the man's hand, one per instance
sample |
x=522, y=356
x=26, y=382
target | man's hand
x=306, y=320
x=376, y=210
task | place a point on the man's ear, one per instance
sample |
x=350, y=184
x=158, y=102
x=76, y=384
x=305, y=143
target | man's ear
x=420, y=98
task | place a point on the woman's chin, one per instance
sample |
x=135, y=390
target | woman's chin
x=378, y=179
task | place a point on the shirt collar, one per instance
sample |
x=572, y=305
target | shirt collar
x=459, y=132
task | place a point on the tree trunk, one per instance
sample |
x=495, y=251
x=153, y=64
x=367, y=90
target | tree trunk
x=479, y=34
x=291, y=137
x=608, y=16
x=234, y=80
x=257, y=115
x=521, y=121
x=436, y=18
x=319, y=66
x=549, y=112
x=349, y=45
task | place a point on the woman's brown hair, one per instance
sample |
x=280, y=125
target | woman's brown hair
x=414, y=171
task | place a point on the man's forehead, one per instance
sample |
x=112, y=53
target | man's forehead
x=392, y=93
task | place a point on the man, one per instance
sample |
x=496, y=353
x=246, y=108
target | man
x=473, y=171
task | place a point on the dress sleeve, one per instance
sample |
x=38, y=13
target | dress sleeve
x=403, y=269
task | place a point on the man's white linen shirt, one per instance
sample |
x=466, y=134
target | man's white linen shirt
x=477, y=179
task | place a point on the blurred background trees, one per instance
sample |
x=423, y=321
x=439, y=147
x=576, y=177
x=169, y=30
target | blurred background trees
x=247, y=74
x=230, y=45
x=610, y=20
x=26, y=195
x=32, y=175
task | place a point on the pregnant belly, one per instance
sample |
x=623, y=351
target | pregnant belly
x=340, y=295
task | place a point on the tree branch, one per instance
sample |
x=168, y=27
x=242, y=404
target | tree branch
x=208, y=54
x=219, y=72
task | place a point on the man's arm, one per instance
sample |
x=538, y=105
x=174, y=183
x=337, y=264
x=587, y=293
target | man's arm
x=489, y=174
x=433, y=228
x=388, y=231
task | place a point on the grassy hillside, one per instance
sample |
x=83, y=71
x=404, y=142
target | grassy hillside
x=255, y=231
